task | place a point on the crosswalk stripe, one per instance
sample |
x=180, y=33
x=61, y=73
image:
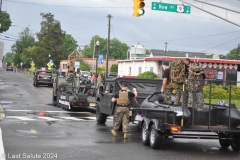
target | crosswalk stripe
x=21, y=118
x=49, y=118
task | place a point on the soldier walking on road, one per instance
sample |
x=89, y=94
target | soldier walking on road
x=122, y=111
x=166, y=85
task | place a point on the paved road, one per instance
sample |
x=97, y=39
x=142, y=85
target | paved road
x=34, y=129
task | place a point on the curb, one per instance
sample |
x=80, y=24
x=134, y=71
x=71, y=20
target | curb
x=2, y=115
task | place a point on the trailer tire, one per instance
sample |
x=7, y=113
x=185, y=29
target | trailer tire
x=145, y=135
x=155, y=138
x=225, y=143
x=235, y=143
x=100, y=117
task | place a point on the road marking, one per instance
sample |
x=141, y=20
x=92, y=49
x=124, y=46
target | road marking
x=13, y=110
x=49, y=118
x=2, y=152
x=92, y=118
x=72, y=118
x=21, y=118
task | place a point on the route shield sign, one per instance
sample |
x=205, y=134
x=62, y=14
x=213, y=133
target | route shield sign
x=167, y=7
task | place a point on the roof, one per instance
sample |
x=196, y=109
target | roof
x=202, y=60
x=156, y=52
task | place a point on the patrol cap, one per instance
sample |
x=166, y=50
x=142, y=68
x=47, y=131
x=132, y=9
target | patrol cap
x=124, y=84
x=166, y=63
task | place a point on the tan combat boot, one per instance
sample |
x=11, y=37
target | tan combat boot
x=114, y=132
x=125, y=135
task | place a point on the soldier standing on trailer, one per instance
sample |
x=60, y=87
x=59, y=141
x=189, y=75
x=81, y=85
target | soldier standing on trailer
x=122, y=112
x=186, y=92
x=166, y=85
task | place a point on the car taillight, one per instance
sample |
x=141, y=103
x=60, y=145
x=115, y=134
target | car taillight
x=72, y=103
x=80, y=103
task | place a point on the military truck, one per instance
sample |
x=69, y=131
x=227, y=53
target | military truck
x=71, y=92
x=105, y=92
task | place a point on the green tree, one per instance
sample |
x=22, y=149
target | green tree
x=148, y=75
x=70, y=44
x=51, y=41
x=118, y=50
x=234, y=54
x=210, y=56
x=83, y=65
x=114, y=68
x=28, y=56
x=26, y=39
x=5, y=21
x=9, y=58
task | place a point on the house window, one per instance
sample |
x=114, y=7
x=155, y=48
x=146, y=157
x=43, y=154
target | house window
x=139, y=70
x=129, y=72
x=151, y=69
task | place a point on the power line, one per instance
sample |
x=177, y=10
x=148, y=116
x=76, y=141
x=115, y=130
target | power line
x=221, y=44
x=63, y=6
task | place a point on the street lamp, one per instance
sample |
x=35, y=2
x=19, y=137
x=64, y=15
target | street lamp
x=97, y=44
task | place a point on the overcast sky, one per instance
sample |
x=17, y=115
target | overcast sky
x=197, y=32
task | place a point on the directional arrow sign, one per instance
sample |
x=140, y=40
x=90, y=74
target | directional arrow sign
x=167, y=7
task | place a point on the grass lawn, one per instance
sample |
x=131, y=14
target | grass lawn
x=215, y=101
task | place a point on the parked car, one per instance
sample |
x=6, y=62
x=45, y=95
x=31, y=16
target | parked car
x=9, y=68
x=43, y=78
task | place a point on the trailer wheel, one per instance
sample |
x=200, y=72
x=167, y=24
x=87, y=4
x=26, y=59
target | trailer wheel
x=145, y=135
x=225, y=143
x=100, y=117
x=155, y=138
x=235, y=143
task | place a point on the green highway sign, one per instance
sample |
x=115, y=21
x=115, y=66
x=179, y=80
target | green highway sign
x=179, y=8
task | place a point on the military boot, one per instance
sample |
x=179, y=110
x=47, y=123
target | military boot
x=114, y=133
x=125, y=135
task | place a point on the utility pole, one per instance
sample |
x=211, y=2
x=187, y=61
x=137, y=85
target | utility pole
x=165, y=48
x=108, y=44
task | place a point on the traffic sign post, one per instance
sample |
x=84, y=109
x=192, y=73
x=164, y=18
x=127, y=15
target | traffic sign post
x=21, y=65
x=167, y=7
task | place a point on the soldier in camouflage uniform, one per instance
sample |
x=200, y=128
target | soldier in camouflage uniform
x=122, y=111
x=166, y=85
x=195, y=87
x=186, y=92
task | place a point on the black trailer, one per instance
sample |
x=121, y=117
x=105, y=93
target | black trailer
x=213, y=122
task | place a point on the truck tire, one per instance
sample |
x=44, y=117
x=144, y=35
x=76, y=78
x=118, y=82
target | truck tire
x=236, y=143
x=100, y=117
x=225, y=143
x=155, y=138
x=145, y=135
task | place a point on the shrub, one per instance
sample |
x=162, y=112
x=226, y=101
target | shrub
x=147, y=75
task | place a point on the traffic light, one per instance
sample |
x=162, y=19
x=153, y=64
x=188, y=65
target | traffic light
x=138, y=8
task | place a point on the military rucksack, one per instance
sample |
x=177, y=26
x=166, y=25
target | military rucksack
x=177, y=71
x=195, y=78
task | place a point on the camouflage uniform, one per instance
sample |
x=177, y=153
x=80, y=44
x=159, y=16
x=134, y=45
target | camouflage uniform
x=199, y=100
x=167, y=95
x=178, y=87
x=185, y=95
x=121, y=117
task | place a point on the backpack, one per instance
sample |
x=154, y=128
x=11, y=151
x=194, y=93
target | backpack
x=177, y=71
x=195, y=78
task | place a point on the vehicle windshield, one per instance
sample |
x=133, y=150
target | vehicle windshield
x=45, y=73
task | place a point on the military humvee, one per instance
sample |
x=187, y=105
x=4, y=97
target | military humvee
x=105, y=92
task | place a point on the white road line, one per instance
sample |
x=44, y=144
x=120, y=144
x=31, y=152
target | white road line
x=72, y=118
x=92, y=118
x=13, y=110
x=2, y=152
x=49, y=118
x=21, y=118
